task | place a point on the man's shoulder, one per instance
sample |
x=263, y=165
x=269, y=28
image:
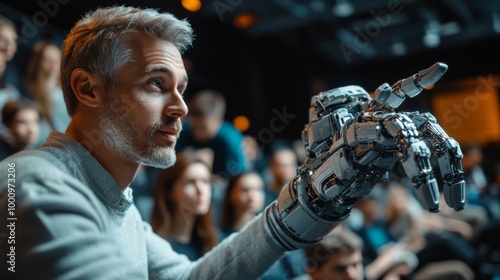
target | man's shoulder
x=229, y=131
x=37, y=165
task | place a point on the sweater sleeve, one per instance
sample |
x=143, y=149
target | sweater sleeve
x=57, y=232
x=243, y=255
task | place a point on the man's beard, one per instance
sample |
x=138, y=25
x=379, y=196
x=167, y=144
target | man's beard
x=121, y=132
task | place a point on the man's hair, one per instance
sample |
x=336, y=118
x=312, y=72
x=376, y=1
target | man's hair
x=96, y=42
x=12, y=107
x=335, y=242
x=7, y=22
x=208, y=103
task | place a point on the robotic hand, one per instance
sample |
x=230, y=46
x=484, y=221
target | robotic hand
x=352, y=142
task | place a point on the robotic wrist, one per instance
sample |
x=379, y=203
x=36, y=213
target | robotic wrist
x=296, y=221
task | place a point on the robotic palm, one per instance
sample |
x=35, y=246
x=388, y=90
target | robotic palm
x=352, y=141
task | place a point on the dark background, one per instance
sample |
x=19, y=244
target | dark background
x=294, y=49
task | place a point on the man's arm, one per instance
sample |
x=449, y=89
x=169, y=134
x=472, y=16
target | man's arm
x=246, y=254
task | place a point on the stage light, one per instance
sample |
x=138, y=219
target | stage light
x=244, y=20
x=242, y=123
x=191, y=5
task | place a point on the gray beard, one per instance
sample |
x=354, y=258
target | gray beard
x=123, y=139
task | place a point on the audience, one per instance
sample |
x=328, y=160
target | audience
x=21, y=120
x=43, y=86
x=181, y=211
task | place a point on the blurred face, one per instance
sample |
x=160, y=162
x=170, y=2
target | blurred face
x=248, y=194
x=25, y=127
x=192, y=192
x=399, y=201
x=204, y=129
x=284, y=166
x=50, y=63
x=345, y=265
x=8, y=42
x=140, y=119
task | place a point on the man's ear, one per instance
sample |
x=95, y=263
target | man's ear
x=87, y=87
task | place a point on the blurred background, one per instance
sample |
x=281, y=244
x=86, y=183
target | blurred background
x=268, y=57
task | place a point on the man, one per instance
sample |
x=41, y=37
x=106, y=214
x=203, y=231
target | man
x=282, y=168
x=338, y=256
x=123, y=78
x=206, y=128
x=21, y=120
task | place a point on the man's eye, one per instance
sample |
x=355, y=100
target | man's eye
x=155, y=83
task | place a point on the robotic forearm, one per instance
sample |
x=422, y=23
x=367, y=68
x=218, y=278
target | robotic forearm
x=352, y=142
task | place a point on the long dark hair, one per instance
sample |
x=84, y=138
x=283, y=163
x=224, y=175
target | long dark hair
x=164, y=207
x=228, y=212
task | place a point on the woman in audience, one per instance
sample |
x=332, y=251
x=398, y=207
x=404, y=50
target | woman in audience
x=182, y=210
x=42, y=83
x=244, y=199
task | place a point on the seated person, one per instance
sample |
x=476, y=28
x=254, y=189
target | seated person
x=21, y=120
x=182, y=212
x=7, y=91
x=339, y=256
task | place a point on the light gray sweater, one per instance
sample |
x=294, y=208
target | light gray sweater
x=73, y=222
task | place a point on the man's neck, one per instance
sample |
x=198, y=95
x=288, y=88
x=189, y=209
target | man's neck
x=121, y=169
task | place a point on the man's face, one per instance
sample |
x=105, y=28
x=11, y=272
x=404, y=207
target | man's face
x=141, y=118
x=284, y=166
x=345, y=265
x=25, y=128
x=8, y=42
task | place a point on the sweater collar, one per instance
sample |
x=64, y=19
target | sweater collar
x=88, y=170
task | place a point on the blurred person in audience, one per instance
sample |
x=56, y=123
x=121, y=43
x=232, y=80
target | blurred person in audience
x=255, y=157
x=475, y=178
x=205, y=127
x=243, y=200
x=339, y=256
x=490, y=198
x=42, y=82
x=21, y=118
x=181, y=212
x=282, y=168
x=7, y=91
x=431, y=236
x=8, y=38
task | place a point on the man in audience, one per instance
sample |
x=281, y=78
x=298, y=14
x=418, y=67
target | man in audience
x=21, y=120
x=206, y=128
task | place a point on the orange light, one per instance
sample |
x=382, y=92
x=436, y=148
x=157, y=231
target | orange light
x=242, y=123
x=191, y=5
x=244, y=20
